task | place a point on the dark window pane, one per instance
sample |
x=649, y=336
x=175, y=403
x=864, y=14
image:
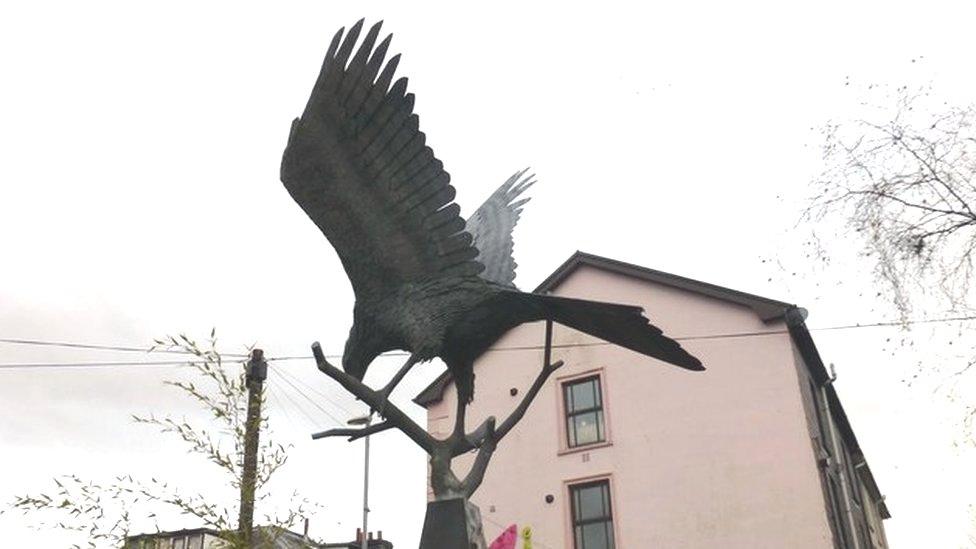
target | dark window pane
x=591, y=503
x=576, y=505
x=584, y=412
x=587, y=428
x=571, y=431
x=584, y=395
x=595, y=536
x=592, y=521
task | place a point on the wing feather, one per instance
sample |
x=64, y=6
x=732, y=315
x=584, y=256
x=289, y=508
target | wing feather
x=492, y=224
x=359, y=166
x=404, y=159
x=444, y=216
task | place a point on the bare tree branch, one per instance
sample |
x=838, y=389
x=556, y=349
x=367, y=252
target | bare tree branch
x=905, y=185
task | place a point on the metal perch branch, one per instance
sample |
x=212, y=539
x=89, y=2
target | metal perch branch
x=374, y=399
x=476, y=438
x=486, y=437
x=355, y=434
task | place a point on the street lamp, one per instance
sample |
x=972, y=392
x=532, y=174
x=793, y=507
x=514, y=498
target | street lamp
x=364, y=421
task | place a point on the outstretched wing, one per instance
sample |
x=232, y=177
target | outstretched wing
x=492, y=224
x=357, y=163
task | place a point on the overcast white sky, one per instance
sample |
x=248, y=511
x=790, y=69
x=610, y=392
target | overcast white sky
x=139, y=196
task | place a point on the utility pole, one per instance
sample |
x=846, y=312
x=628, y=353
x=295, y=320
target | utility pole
x=257, y=371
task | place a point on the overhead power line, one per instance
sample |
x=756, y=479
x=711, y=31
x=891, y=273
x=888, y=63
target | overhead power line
x=91, y=364
x=335, y=403
x=681, y=338
x=97, y=347
x=891, y=323
x=279, y=404
x=334, y=357
x=881, y=324
x=310, y=399
x=315, y=423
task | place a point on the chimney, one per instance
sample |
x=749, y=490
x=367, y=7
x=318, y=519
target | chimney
x=370, y=536
x=379, y=535
x=305, y=535
x=359, y=535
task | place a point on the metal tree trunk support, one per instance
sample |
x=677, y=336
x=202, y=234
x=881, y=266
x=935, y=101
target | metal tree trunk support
x=451, y=494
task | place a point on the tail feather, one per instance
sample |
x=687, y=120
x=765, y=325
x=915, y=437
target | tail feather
x=623, y=325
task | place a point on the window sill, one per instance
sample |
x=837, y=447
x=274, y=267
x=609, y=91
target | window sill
x=588, y=447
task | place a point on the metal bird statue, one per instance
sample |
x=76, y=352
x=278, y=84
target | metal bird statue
x=357, y=163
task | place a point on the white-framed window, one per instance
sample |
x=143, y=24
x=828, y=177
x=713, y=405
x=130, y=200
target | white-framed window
x=592, y=515
x=584, y=413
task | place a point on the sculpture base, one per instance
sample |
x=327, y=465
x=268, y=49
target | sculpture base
x=452, y=524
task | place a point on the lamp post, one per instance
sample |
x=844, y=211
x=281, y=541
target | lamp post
x=364, y=421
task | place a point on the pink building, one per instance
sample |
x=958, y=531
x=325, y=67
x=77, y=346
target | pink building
x=621, y=450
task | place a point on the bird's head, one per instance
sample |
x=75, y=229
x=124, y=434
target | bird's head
x=361, y=349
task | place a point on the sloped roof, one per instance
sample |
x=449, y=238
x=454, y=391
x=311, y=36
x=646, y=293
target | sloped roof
x=282, y=538
x=811, y=356
x=767, y=309
x=173, y=534
x=371, y=544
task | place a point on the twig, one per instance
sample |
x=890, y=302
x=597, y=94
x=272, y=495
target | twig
x=355, y=434
x=486, y=437
x=375, y=400
x=478, y=437
x=473, y=439
x=523, y=406
x=477, y=473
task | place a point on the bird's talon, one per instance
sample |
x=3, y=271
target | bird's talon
x=385, y=398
